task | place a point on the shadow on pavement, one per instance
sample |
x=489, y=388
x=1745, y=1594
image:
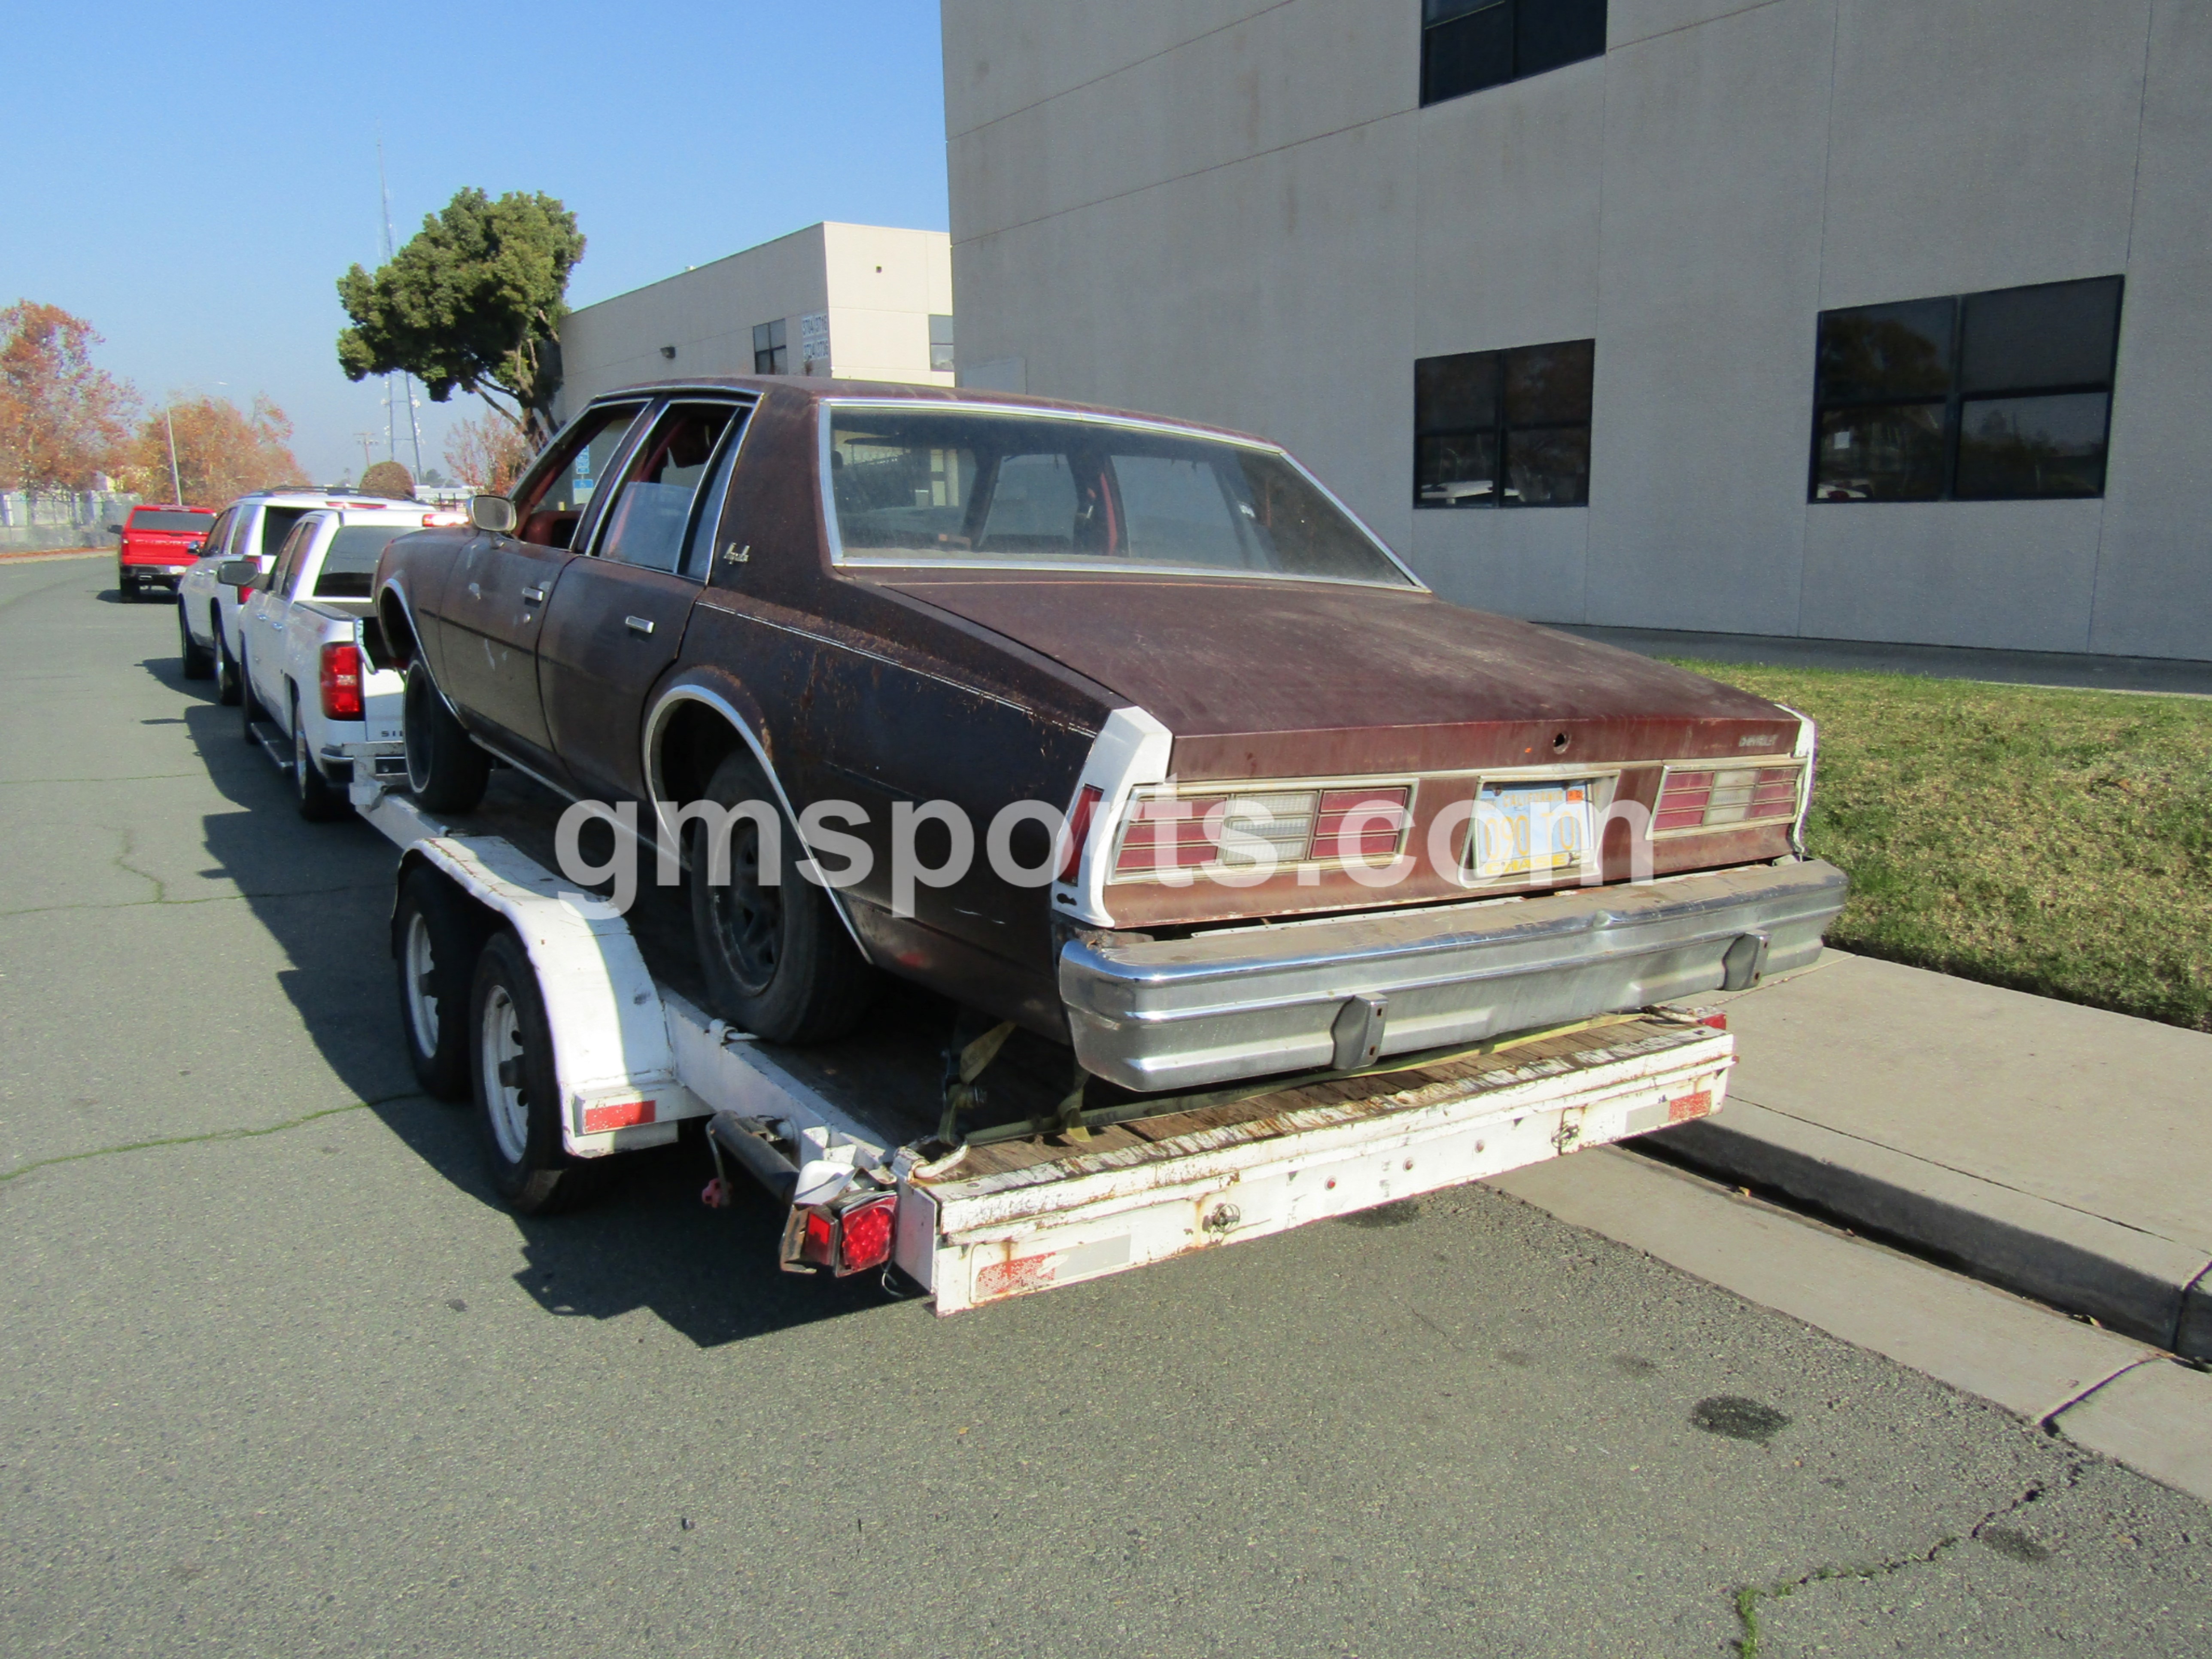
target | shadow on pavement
x=324, y=892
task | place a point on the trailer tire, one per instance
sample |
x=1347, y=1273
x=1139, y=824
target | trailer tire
x=778, y=961
x=437, y=934
x=518, y=1091
x=445, y=772
x=227, y=681
x=193, y=658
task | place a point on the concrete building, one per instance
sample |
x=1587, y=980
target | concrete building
x=1714, y=314
x=859, y=301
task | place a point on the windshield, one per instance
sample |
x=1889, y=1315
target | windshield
x=350, y=562
x=962, y=486
x=150, y=518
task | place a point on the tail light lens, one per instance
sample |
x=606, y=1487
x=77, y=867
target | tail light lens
x=1078, y=829
x=341, y=683
x=851, y=1239
x=1187, y=831
x=1726, y=798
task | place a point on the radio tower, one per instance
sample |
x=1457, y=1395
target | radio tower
x=406, y=382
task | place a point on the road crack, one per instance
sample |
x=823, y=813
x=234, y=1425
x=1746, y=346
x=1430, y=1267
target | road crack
x=1749, y=1598
x=253, y=1132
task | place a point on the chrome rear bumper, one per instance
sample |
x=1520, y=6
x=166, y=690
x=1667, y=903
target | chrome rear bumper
x=1247, y=1001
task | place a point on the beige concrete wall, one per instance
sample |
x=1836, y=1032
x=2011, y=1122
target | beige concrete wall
x=878, y=286
x=1235, y=210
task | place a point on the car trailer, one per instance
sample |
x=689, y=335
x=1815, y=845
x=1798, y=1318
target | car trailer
x=891, y=1153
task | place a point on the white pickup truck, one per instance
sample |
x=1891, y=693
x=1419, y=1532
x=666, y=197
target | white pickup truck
x=310, y=698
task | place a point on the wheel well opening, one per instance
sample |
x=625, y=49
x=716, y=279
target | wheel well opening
x=392, y=641
x=693, y=743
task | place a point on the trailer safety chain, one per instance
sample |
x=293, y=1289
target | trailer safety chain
x=962, y=1066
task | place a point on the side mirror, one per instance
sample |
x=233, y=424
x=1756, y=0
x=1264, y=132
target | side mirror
x=194, y=548
x=241, y=573
x=495, y=513
x=115, y=529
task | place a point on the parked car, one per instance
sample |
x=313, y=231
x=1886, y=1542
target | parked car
x=878, y=607
x=252, y=527
x=157, y=545
x=308, y=696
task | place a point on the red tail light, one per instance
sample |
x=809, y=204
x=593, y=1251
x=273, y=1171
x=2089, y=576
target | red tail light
x=1079, y=830
x=1727, y=797
x=341, y=683
x=853, y=1239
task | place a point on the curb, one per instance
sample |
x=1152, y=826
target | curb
x=2128, y=1280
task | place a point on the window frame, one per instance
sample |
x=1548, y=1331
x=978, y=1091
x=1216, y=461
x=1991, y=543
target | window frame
x=712, y=478
x=1423, y=97
x=1954, y=400
x=1502, y=427
x=776, y=330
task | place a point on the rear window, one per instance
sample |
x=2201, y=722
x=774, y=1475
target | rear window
x=144, y=517
x=276, y=523
x=350, y=562
x=915, y=485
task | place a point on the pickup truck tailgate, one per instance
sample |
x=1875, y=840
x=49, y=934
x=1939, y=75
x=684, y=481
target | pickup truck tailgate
x=997, y=1221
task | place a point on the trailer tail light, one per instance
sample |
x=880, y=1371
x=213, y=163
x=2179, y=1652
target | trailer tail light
x=1694, y=798
x=341, y=683
x=851, y=1238
x=1078, y=829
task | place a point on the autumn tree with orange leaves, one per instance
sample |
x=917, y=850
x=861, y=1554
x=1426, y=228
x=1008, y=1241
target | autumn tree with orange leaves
x=488, y=453
x=62, y=420
x=222, y=451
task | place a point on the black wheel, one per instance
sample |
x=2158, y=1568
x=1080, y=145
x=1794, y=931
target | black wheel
x=779, y=962
x=126, y=584
x=436, y=933
x=197, y=662
x=227, y=681
x=251, y=713
x=320, y=800
x=518, y=1093
x=444, y=771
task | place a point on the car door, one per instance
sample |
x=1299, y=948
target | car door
x=616, y=619
x=493, y=607
x=262, y=621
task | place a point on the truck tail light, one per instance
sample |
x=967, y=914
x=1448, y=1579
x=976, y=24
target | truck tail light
x=1078, y=829
x=341, y=683
x=851, y=1238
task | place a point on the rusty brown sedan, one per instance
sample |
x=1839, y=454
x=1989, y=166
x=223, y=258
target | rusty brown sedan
x=1119, y=728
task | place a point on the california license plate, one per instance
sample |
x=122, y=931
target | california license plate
x=1524, y=829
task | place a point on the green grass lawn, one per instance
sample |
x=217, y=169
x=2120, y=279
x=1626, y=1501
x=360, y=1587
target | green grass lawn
x=2054, y=841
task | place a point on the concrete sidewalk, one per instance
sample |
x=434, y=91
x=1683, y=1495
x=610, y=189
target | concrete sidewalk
x=2060, y=1151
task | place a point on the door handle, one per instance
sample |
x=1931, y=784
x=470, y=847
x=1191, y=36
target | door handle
x=475, y=590
x=535, y=595
x=637, y=624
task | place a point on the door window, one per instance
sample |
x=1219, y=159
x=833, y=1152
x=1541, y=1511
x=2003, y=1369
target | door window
x=287, y=569
x=553, y=500
x=647, y=521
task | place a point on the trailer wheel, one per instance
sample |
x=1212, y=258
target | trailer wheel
x=193, y=658
x=227, y=683
x=444, y=771
x=518, y=1092
x=779, y=962
x=320, y=800
x=436, y=936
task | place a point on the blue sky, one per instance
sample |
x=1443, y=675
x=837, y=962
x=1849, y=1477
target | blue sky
x=193, y=178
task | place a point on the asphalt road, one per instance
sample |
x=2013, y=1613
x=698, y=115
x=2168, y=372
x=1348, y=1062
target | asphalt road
x=279, y=1376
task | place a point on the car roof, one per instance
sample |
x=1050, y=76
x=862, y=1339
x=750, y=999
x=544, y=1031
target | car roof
x=822, y=390
x=316, y=496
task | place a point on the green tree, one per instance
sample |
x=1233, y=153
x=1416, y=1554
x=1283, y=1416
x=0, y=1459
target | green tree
x=388, y=479
x=474, y=300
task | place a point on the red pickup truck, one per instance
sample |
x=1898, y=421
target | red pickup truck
x=159, y=544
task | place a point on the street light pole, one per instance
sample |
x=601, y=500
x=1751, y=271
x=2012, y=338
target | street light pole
x=168, y=420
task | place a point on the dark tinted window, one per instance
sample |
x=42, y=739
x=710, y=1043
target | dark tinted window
x=147, y=518
x=2001, y=395
x=1468, y=44
x=276, y=523
x=1503, y=428
x=350, y=560
x=770, y=354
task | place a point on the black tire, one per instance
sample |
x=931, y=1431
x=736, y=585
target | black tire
x=778, y=960
x=227, y=681
x=437, y=934
x=251, y=713
x=196, y=661
x=127, y=584
x=518, y=1092
x=320, y=800
x=446, y=771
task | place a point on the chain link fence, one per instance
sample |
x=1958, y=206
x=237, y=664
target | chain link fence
x=30, y=519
